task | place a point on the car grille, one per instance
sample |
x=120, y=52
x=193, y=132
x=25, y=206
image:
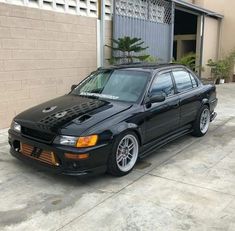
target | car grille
x=39, y=135
x=47, y=157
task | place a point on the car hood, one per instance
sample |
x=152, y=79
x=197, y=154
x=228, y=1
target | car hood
x=69, y=114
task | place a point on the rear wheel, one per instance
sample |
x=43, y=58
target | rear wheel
x=202, y=122
x=124, y=154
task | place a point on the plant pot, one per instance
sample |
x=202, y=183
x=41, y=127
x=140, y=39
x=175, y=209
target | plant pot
x=234, y=78
x=217, y=81
x=222, y=81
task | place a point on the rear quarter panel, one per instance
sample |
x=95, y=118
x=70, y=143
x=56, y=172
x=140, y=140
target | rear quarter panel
x=209, y=96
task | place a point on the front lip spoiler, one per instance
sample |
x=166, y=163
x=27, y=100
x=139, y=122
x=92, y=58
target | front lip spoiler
x=213, y=116
x=55, y=170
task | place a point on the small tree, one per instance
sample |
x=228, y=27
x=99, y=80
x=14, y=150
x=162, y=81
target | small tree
x=128, y=47
x=222, y=68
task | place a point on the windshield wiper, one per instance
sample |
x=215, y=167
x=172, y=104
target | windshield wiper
x=89, y=96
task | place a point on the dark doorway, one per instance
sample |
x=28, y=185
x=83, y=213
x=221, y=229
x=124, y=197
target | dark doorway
x=185, y=34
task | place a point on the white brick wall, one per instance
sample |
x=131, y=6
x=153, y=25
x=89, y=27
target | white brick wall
x=78, y=7
x=42, y=53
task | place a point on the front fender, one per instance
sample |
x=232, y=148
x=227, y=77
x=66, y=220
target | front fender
x=119, y=128
x=113, y=130
x=125, y=126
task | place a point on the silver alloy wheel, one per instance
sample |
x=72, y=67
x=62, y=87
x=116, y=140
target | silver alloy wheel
x=204, y=120
x=127, y=153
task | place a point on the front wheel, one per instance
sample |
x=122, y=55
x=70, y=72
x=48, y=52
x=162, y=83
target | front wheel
x=202, y=122
x=124, y=155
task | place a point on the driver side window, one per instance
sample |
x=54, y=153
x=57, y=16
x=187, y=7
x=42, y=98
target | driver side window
x=163, y=84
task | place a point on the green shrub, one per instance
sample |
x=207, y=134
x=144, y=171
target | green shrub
x=152, y=59
x=221, y=69
x=189, y=60
x=129, y=49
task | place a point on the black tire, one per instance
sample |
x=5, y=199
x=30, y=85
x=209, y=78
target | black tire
x=197, y=132
x=113, y=167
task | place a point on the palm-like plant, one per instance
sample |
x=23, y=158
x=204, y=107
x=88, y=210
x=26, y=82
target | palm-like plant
x=128, y=47
x=189, y=60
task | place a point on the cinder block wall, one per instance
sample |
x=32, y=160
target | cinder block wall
x=42, y=53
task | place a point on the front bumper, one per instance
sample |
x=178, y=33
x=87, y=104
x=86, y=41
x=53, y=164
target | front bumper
x=94, y=164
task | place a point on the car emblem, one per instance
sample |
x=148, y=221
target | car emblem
x=49, y=109
x=60, y=114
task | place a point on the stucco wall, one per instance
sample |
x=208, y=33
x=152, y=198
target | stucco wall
x=227, y=41
x=226, y=8
x=42, y=54
x=210, y=43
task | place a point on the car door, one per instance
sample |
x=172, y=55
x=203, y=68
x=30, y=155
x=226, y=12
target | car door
x=189, y=95
x=162, y=117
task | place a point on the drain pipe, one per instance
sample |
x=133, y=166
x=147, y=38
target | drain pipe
x=172, y=30
x=202, y=43
x=101, y=33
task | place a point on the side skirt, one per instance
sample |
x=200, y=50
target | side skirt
x=156, y=144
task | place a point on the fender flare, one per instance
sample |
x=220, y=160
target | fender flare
x=205, y=101
x=122, y=127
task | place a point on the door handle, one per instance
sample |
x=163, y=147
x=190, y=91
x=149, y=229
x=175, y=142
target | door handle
x=176, y=105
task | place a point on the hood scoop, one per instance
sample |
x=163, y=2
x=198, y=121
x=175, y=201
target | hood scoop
x=83, y=118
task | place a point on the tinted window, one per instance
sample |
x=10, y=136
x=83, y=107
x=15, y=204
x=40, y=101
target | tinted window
x=194, y=82
x=163, y=84
x=121, y=85
x=182, y=80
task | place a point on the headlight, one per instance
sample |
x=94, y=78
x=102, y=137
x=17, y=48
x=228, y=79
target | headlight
x=79, y=142
x=66, y=140
x=15, y=126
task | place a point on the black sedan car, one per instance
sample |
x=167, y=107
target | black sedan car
x=112, y=118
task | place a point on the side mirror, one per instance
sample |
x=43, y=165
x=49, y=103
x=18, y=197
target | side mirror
x=156, y=98
x=73, y=87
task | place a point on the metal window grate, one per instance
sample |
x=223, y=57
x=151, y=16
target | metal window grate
x=153, y=10
x=150, y=20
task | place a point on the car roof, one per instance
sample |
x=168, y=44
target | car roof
x=143, y=66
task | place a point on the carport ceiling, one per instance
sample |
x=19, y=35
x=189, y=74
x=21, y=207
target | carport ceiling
x=197, y=9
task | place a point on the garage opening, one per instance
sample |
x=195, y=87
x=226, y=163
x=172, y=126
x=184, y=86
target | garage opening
x=185, y=34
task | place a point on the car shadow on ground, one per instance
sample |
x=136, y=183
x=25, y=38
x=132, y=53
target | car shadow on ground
x=111, y=183
x=104, y=180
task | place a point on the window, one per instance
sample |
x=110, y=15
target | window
x=163, y=84
x=121, y=85
x=194, y=82
x=182, y=80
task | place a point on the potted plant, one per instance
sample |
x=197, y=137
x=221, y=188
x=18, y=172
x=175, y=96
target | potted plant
x=221, y=69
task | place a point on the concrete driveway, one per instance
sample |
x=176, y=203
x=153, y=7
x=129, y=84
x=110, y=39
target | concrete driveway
x=187, y=185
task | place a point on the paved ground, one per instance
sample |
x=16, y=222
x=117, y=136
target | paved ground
x=188, y=185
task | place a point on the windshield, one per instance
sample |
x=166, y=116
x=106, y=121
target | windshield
x=121, y=85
